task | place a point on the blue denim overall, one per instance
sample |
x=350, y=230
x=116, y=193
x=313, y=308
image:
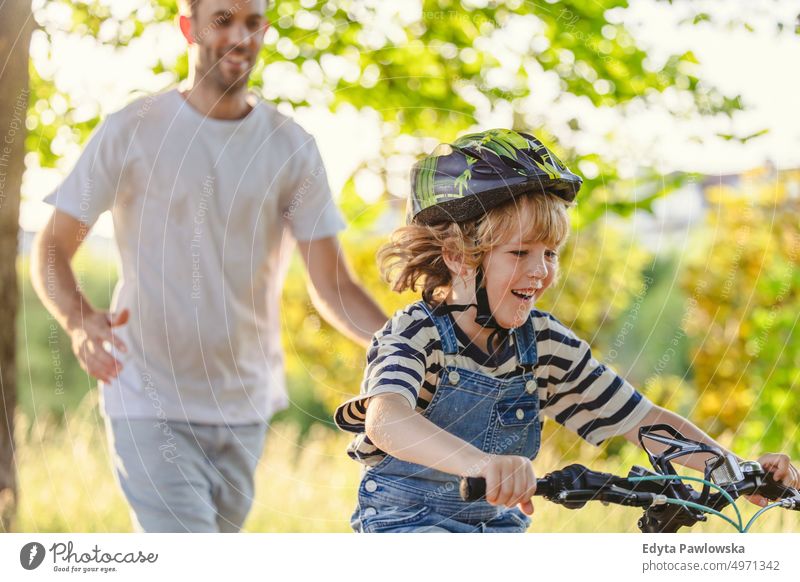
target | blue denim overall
x=499, y=416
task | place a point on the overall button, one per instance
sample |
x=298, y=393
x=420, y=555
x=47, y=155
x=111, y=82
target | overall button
x=370, y=486
x=530, y=386
x=520, y=414
x=369, y=512
x=453, y=377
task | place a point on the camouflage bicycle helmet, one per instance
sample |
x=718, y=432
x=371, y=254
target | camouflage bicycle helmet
x=462, y=180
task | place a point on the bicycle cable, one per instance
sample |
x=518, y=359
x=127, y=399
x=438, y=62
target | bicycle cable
x=724, y=493
x=758, y=514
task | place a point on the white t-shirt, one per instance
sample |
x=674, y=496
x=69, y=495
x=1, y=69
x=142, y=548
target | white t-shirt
x=205, y=213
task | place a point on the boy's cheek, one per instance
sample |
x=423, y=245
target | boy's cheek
x=549, y=281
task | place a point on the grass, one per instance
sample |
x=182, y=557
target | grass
x=302, y=484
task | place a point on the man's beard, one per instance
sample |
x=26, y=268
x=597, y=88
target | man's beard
x=225, y=84
x=229, y=86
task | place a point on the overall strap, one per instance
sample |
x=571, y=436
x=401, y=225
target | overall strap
x=445, y=329
x=525, y=342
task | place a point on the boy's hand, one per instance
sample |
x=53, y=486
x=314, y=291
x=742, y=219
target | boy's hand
x=782, y=470
x=510, y=481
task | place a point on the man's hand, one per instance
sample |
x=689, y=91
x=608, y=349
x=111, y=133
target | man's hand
x=93, y=341
x=782, y=470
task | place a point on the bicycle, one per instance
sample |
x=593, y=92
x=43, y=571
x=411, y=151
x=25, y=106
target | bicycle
x=668, y=502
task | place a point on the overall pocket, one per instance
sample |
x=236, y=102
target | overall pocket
x=390, y=519
x=462, y=405
x=517, y=431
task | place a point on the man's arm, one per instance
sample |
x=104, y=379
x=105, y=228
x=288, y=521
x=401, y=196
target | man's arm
x=51, y=273
x=55, y=283
x=336, y=295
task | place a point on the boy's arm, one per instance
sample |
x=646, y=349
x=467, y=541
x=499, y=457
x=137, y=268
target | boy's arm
x=395, y=428
x=660, y=415
x=778, y=464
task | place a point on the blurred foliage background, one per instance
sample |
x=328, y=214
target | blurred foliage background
x=707, y=328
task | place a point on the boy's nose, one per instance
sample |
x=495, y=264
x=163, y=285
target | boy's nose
x=538, y=270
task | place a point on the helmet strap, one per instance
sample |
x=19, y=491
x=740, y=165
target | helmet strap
x=484, y=316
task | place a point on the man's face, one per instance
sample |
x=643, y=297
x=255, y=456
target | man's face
x=228, y=35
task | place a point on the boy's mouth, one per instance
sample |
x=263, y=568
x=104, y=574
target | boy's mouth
x=524, y=294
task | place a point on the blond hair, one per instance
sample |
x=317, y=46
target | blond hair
x=414, y=256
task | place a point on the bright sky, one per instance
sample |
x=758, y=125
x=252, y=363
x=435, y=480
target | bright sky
x=759, y=65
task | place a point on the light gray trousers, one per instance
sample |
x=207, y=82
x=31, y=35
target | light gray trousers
x=185, y=477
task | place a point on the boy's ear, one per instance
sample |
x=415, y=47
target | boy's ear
x=455, y=262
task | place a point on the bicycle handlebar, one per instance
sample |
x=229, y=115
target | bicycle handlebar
x=575, y=485
x=474, y=489
x=668, y=502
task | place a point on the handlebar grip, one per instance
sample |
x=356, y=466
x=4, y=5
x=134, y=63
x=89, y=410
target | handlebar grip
x=472, y=488
x=772, y=489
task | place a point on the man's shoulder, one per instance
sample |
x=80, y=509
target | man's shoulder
x=144, y=107
x=283, y=126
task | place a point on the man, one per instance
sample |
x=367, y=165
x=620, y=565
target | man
x=205, y=186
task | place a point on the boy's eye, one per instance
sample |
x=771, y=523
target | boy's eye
x=550, y=254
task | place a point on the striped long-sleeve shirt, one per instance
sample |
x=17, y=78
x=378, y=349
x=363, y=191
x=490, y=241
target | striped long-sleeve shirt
x=574, y=388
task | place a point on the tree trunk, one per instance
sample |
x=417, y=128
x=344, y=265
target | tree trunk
x=16, y=24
